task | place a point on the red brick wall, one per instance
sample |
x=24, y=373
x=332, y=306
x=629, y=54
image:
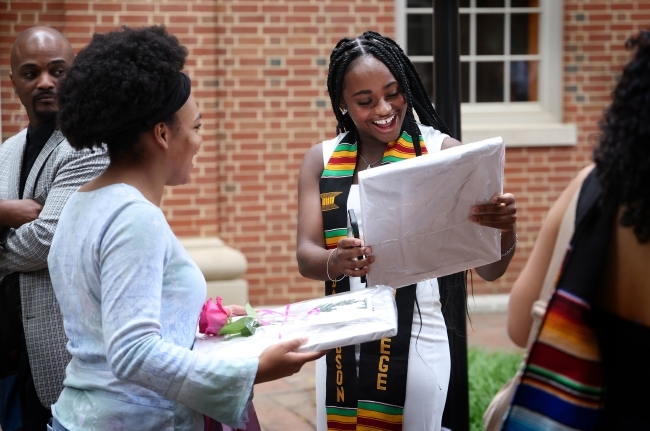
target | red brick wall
x=259, y=70
x=273, y=70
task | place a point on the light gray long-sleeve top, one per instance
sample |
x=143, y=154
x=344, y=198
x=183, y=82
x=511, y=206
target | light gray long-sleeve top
x=131, y=297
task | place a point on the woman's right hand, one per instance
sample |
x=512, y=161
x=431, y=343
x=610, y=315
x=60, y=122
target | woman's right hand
x=346, y=255
x=280, y=360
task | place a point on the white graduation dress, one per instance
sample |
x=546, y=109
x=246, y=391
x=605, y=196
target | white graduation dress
x=429, y=362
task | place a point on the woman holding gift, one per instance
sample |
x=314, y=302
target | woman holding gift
x=129, y=293
x=374, y=89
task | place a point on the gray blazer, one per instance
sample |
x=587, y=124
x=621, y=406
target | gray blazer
x=58, y=171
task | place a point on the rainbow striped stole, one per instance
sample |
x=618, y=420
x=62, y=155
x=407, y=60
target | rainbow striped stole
x=562, y=384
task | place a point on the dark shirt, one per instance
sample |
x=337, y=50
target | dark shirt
x=625, y=348
x=36, y=140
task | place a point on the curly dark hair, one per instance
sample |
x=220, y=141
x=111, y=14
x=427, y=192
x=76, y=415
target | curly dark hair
x=114, y=80
x=623, y=154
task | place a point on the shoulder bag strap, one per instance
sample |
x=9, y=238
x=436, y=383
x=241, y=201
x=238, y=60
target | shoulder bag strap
x=564, y=235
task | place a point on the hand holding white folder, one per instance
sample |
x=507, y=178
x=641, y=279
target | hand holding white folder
x=416, y=212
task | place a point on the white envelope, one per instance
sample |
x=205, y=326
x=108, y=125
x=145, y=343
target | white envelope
x=333, y=321
x=415, y=213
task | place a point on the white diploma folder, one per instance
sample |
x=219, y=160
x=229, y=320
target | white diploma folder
x=415, y=213
x=332, y=321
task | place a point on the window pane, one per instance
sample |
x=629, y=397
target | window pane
x=425, y=70
x=524, y=3
x=524, y=33
x=464, y=82
x=489, y=81
x=523, y=81
x=490, y=3
x=489, y=34
x=419, y=3
x=464, y=34
x=464, y=3
x=420, y=34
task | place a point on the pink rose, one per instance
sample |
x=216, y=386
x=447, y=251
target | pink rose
x=213, y=317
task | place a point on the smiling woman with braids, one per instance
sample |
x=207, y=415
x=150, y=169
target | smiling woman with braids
x=374, y=89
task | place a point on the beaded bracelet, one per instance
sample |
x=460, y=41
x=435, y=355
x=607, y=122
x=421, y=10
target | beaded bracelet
x=327, y=268
x=512, y=247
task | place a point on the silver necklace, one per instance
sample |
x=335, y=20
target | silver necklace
x=370, y=165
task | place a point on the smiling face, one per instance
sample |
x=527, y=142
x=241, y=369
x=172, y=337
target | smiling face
x=40, y=57
x=184, y=142
x=374, y=100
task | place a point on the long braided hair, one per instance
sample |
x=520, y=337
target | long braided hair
x=386, y=50
x=348, y=50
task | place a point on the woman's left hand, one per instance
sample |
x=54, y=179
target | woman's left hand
x=500, y=213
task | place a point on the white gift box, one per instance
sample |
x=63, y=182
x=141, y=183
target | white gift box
x=415, y=213
x=333, y=321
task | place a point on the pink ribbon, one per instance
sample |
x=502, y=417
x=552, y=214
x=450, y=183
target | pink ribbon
x=286, y=314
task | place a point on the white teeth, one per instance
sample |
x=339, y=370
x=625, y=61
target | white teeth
x=386, y=121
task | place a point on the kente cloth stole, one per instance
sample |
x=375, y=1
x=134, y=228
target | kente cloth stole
x=373, y=400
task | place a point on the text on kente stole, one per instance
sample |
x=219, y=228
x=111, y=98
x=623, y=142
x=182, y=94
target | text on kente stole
x=381, y=375
x=340, y=393
x=384, y=350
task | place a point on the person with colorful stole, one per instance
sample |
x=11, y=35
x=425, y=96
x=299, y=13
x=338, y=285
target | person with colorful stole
x=129, y=293
x=397, y=383
x=587, y=368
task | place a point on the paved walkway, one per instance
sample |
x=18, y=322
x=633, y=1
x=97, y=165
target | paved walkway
x=289, y=404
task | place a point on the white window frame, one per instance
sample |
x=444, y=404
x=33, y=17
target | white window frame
x=521, y=124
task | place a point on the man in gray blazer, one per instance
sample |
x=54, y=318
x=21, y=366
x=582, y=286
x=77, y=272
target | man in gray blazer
x=39, y=171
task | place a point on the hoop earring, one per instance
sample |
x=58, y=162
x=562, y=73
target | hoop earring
x=344, y=111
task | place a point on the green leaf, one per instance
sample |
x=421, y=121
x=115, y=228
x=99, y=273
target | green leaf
x=249, y=310
x=236, y=326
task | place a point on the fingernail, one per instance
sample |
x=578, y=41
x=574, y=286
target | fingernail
x=475, y=210
x=495, y=199
x=472, y=218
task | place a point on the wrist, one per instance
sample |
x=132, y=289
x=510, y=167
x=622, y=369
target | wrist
x=510, y=249
x=333, y=268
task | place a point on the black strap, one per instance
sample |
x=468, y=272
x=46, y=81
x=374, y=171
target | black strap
x=583, y=269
